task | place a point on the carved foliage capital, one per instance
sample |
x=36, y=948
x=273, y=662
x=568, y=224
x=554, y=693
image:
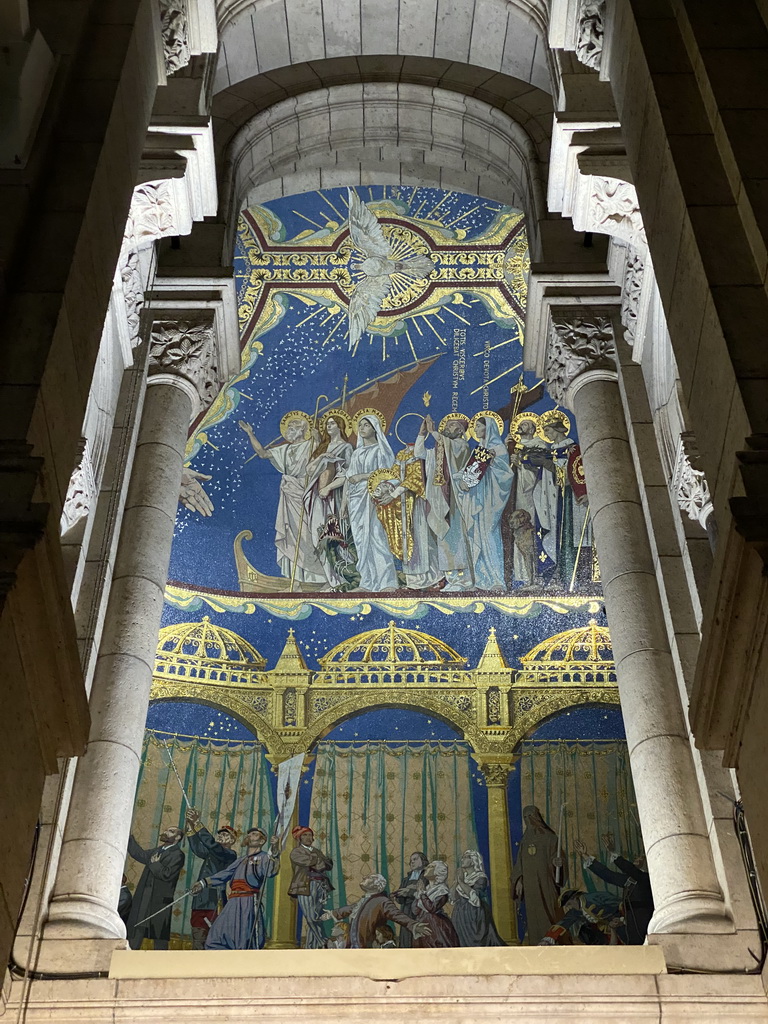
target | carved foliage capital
x=186, y=348
x=614, y=210
x=578, y=343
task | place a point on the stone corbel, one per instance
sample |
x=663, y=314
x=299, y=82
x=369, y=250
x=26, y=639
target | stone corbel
x=188, y=28
x=580, y=27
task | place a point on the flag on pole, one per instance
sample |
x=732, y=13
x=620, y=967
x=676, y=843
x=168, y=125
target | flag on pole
x=288, y=780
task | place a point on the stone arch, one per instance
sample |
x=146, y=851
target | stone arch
x=408, y=135
x=410, y=700
x=223, y=700
x=269, y=35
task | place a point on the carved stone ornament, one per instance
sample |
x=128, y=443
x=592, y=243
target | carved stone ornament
x=630, y=299
x=590, y=31
x=80, y=493
x=175, y=29
x=689, y=483
x=614, y=210
x=577, y=344
x=152, y=213
x=495, y=774
x=186, y=348
x=133, y=292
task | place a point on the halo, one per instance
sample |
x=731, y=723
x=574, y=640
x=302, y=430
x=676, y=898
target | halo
x=296, y=414
x=393, y=473
x=450, y=418
x=549, y=416
x=399, y=421
x=340, y=414
x=486, y=413
x=524, y=417
x=369, y=412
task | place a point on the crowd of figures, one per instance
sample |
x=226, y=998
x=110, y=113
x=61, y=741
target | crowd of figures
x=463, y=507
x=430, y=908
x=558, y=913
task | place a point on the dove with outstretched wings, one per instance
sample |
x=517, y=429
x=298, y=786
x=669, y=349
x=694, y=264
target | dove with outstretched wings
x=380, y=267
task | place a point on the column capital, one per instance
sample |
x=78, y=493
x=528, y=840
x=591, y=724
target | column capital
x=581, y=347
x=182, y=353
x=496, y=767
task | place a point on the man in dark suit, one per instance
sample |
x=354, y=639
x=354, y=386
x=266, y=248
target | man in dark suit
x=216, y=854
x=155, y=890
x=374, y=908
x=632, y=878
x=406, y=894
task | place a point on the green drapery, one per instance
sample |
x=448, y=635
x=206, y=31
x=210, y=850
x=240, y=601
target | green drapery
x=229, y=783
x=375, y=803
x=594, y=782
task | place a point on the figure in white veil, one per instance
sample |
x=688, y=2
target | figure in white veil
x=375, y=561
x=484, y=486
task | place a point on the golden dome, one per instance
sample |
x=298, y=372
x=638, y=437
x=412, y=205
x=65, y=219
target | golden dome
x=392, y=644
x=204, y=641
x=582, y=655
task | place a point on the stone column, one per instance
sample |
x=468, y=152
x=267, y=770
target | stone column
x=581, y=374
x=496, y=769
x=182, y=375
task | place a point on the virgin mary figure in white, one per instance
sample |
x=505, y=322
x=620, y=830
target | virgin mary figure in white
x=375, y=562
x=483, y=494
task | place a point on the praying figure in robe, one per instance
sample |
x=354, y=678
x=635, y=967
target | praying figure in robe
x=443, y=465
x=534, y=878
x=375, y=561
x=484, y=487
x=472, y=917
x=240, y=925
x=432, y=894
x=296, y=554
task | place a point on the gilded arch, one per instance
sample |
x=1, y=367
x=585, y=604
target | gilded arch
x=493, y=705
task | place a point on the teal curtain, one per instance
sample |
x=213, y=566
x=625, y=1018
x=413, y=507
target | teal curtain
x=590, y=783
x=229, y=783
x=375, y=803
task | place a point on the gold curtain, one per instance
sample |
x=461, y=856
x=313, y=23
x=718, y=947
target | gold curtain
x=374, y=804
x=230, y=784
x=592, y=784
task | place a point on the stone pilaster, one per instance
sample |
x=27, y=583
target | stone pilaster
x=182, y=379
x=582, y=375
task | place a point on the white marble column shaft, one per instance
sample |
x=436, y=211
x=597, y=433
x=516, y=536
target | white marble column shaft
x=686, y=891
x=84, y=902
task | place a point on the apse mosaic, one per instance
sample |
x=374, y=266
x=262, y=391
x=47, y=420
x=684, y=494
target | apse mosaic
x=384, y=710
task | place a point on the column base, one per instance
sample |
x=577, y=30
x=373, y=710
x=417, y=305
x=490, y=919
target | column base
x=65, y=957
x=82, y=917
x=697, y=913
x=716, y=954
x=277, y=944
